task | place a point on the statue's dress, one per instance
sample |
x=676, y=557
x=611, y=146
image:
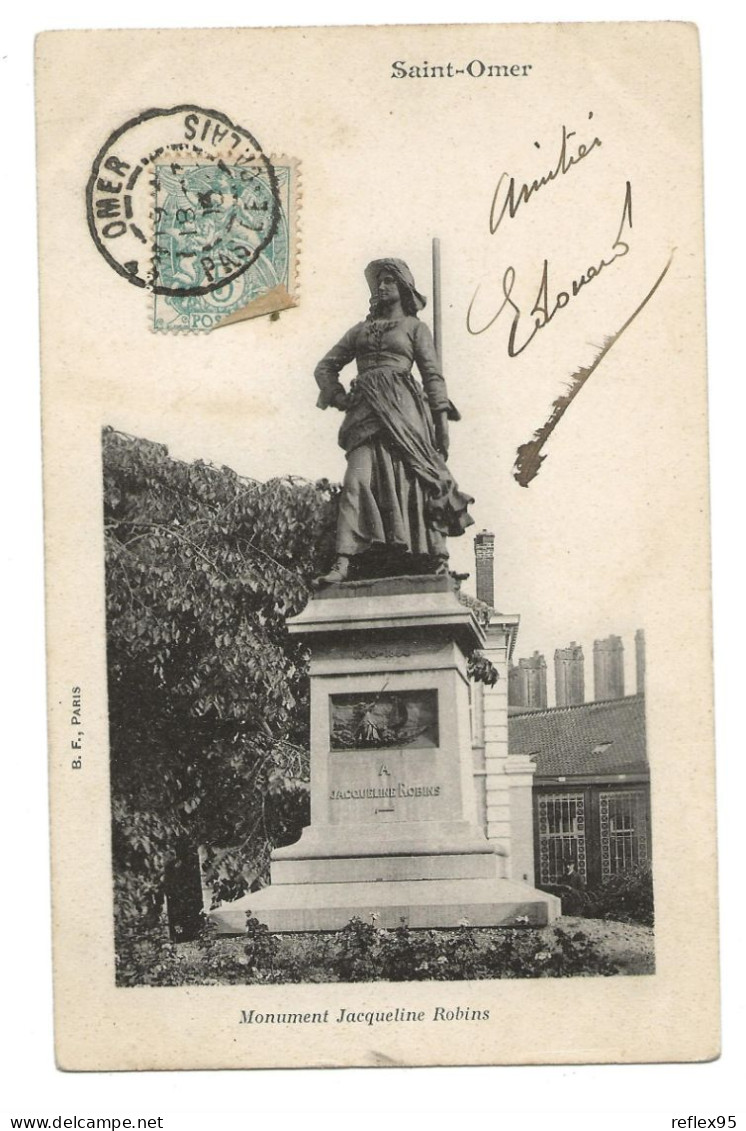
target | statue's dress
x=398, y=490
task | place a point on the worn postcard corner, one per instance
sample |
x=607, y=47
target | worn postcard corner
x=387, y=736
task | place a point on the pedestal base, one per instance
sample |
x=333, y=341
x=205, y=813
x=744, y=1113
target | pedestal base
x=393, y=830
x=414, y=903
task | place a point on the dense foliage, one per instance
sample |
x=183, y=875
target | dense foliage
x=364, y=952
x=208, y=719
x=626, y=897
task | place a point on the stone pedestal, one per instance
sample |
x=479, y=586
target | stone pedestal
x=393, y=816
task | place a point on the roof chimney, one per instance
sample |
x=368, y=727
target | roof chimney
x=569, y=675
x=484, y=551
x=527, y=683
x=640, y=660
x=608, y=668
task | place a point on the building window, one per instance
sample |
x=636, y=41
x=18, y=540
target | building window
x=561, y=837
x=623, y=825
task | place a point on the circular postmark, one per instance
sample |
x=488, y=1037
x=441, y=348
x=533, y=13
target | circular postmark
x=182, y=201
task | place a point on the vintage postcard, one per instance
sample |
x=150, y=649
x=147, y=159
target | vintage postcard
x=378, y=592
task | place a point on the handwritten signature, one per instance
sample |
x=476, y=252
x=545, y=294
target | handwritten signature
x=528, y=457
x=509, y=199
x=543, y=311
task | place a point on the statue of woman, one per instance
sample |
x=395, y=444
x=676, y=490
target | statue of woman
x=399, y=500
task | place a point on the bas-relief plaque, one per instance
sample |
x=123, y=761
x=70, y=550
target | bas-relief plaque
x=384, y=756
x=387, y=719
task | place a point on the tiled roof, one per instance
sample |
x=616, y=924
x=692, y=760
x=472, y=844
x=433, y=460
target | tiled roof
x=607, y=737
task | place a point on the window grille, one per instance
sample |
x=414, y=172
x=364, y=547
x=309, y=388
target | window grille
x=561, y=837
x=624, y=833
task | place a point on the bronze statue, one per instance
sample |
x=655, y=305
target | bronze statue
x=399, y=500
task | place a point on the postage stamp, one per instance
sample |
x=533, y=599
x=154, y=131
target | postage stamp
x=209, y=220
x=182, y=202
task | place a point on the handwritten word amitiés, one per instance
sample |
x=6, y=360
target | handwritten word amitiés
x=508, y=197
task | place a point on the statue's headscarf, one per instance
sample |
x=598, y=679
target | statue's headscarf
x=405, y=278
x=401, y=273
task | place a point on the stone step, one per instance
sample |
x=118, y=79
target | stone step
x=390, y=904
x=397, y=838
x=341, y=869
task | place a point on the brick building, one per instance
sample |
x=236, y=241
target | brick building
x=591, y=788
x=562, y=791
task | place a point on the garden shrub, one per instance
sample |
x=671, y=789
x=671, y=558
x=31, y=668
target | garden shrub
x=399, y=957
x=357, y=956
x=555, y=954
x=626, y=897
x=262, y=947
x=367, y=953
x=575, y=899
x=360, y=952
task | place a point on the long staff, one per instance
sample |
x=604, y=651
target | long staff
x=437, y=317
x=453, y=412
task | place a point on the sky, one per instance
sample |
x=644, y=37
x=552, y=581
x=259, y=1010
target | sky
x=598, y=541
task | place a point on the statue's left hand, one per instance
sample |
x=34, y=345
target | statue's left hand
x=441, y=434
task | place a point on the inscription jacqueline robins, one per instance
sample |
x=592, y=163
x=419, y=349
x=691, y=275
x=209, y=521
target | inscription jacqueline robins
x=368, y=793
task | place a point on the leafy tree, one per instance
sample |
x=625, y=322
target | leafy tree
x=207, y=691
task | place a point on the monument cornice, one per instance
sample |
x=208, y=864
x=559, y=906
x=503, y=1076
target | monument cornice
x=425, y=603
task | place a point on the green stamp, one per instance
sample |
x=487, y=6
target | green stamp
x=209, y=221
